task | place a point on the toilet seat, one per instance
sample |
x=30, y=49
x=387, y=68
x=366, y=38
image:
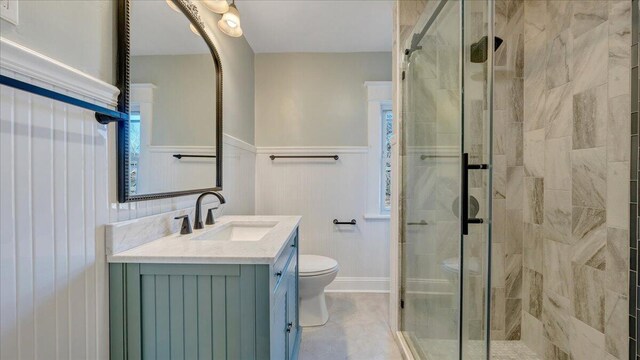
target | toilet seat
x=314, y=265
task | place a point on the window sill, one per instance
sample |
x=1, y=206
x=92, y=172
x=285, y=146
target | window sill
x=377, y=216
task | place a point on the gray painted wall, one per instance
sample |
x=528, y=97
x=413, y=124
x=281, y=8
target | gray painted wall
x=315, y=99
x=80, y=34
x=184, y=104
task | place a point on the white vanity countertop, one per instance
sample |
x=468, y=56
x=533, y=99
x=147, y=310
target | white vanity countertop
x=185, y=249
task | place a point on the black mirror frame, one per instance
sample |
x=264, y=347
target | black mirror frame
x=123, y=83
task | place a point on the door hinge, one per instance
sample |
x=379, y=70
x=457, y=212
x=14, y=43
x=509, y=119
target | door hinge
x=403, y=74
x=401, y=304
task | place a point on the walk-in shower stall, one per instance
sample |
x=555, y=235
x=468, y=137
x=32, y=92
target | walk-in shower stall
x=447, y=108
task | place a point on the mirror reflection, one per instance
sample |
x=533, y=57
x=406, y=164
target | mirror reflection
x=172, y=128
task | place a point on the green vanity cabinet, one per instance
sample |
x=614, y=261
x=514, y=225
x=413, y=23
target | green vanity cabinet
x=206, y=311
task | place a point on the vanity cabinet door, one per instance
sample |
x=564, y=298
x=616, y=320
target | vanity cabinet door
x=292, y=308
x=279, y=348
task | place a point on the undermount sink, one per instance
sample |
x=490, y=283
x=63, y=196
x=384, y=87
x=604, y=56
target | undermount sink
x=238, y=231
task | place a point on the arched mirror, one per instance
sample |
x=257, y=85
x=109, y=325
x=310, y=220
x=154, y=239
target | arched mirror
x=170, y=77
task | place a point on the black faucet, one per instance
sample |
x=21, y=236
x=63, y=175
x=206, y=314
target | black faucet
x=198, y=219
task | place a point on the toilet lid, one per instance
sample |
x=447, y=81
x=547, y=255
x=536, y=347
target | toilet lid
x=453, y=265
x=310, y=265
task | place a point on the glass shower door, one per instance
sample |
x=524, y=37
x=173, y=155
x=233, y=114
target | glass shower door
x=432, y=118
x=446, y=108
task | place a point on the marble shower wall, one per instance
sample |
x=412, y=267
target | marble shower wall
x=574, y=177
x=508, y=170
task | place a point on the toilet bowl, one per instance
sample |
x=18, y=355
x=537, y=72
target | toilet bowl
x=451, y=269
x=315, y=273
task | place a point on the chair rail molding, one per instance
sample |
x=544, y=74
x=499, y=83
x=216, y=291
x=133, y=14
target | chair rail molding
x=49, y=72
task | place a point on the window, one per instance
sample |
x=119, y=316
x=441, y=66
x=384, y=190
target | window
x=134, y=150
x=387, y=134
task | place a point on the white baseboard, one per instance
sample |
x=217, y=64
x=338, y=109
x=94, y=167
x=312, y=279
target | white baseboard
x=359, y=284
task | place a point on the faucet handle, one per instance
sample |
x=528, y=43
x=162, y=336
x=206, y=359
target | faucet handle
x=210, y=219
x=186, y=224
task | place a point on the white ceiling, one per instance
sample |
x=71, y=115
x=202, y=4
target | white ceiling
x=317, y=25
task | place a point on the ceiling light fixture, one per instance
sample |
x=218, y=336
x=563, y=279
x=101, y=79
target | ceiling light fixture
x=230, y=22
x=217, y=6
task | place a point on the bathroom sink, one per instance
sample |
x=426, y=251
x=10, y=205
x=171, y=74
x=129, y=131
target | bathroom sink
x=238, y=231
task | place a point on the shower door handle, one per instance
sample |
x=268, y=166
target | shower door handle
x=465, y=167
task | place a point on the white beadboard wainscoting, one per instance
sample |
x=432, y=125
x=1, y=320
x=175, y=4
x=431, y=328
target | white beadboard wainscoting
x=321, y=190
x=56, y=176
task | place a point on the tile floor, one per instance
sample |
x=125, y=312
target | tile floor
x=357, y=330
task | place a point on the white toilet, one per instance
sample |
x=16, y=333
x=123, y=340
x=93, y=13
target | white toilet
x=315, y=273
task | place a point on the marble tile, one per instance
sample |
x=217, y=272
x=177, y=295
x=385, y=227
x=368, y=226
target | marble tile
x=533, y=200
x=590, y=51
x=534, y=153
x=532, y=333
x=499, y=224
x=499, y=132
x=506, y=350
x=515, y=187
x=619, y=49
x=534, y=296
x=532, y=247
x=516, y=100
x=125, y=235
x=618, y=261
x=559, y=112
x=513, y=278
x=557, y=215
x=559, y=60
x=497, y=266
x=618, y=129
x=514, y=144
x=534, y=82
x=513, y=235
x=556, y=320
x=516, y=58
x=448, y=113
x=498, y=309
x=618, y=194
x=513, y=319
x=588, y=177
x=586, y=342
x=448, y=67
x=534, y=18
x=499, y=176
x=558, y=17
x=587, y=15
x=588, y=296
x=590, y=113
x=557, y=268
x=557, y=164
x=552, y=352
x=589, y=237
x=616, y=314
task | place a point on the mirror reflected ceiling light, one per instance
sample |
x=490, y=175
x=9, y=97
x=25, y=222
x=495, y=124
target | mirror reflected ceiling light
x=230, y=22
x=194, y=30
x=217, y=6
x=173, y=6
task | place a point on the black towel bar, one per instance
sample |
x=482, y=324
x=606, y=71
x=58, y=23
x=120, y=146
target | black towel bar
x=352, y=222
x=334, y=157
x=180, y=156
